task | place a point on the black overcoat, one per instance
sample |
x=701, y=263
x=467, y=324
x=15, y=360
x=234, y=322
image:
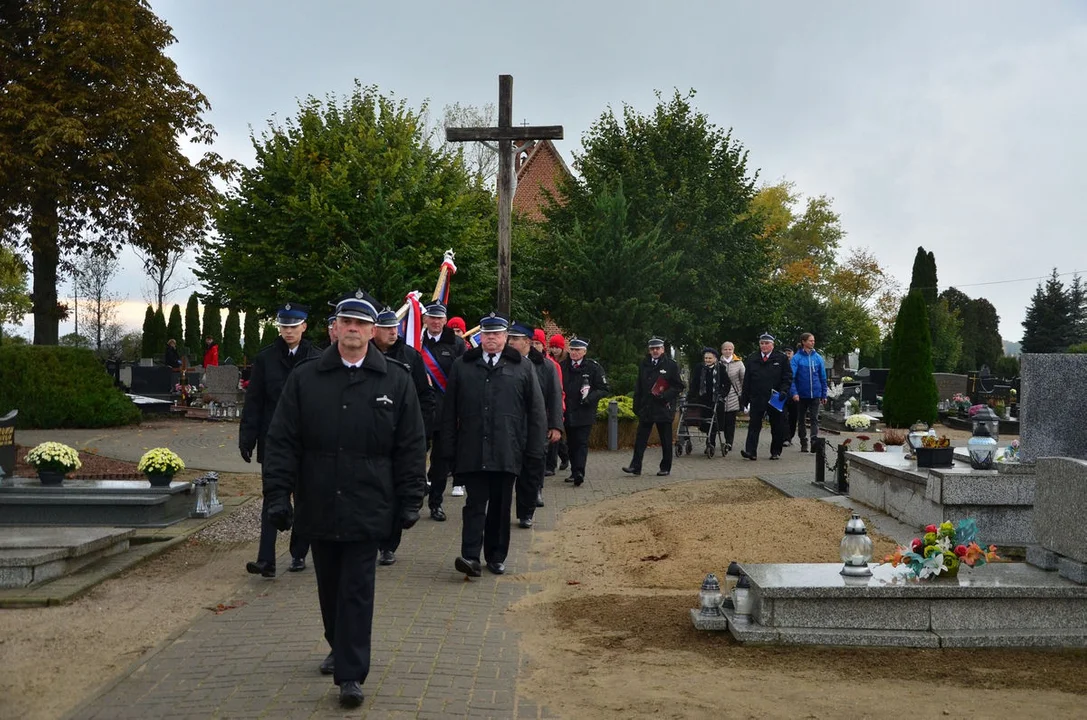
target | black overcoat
x=402, y=352
x=493, y=416
x=445, y=351
x=547, y=373
x=269, y=374
x=761, y=378
x=581, y=412
x=649, y=407
x=350, y=444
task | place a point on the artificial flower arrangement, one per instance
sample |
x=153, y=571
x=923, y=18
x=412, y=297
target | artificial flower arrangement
x=160, y=461
x=1011, y=453
x=863, y=440
x=960, y=401
x=974, y=409
x=834, y=391
x=932, y=442
x=847, y=379
x=858, y=422
x=942, y=550
x=53, y=457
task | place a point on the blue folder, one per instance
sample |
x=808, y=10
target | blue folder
x=777, y=400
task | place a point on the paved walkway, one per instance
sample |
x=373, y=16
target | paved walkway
x=441, y=647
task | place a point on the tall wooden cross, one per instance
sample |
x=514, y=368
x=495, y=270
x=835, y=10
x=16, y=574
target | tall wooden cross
x=506, y=133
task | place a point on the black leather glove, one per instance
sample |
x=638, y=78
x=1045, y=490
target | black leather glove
x=247, y=454
x=280, y=515
x=408, y=518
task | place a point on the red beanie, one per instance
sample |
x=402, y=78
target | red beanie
x=557, y=341
x=538, y=336
x=457, y=323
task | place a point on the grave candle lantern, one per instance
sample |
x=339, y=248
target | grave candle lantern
x=985, y=416
x=710, y=597
x=201, y=498
x=213, y=489
x=982, y=448
x=732, y=576
x=741, y=597
x=856, y=548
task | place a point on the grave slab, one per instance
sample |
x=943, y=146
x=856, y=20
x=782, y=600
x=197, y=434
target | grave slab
x=1053, y=388
x=29, y=556
x=1059, y=505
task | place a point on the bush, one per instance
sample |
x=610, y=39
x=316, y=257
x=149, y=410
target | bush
x=911, y=393
x=55, y=387
x=1007, y=366
x=626, y=407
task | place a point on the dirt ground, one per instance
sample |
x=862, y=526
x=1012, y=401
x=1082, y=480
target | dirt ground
x=610, y=635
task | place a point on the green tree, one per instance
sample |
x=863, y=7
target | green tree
x=193, y=340
x=148, y=347
x=911, y=393
x=251, y=335
x=924, y=276
x=91, y=114
x=14, y=300
x=1047, y=327
x=173, y=327
x=603, y=259
x=268, y=334
x=1006, y=366
x=946, y=337
x=211, y=325
x=688, y=180
x=232, y=337
x=805, y=244
x=350, y=194
x=160, y=333
x=1077, y=310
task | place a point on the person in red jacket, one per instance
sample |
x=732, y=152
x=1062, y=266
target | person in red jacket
x=557, y=451
x=211, y=351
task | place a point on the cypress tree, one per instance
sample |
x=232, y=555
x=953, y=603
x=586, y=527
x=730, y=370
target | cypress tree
x=211, y=326
x=147, y=343
x=923, y=277
x=193, y=341
x=160, y=332
x=911, y=393
x=269, y=334
x=232, y=337
x=251, y=335
x=173, y=327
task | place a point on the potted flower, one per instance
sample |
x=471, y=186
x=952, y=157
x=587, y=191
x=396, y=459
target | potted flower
x=160, y=465
x=942, y=550
x=52, y=460
x=935, y=452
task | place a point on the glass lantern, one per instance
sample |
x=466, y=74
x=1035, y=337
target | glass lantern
x=201, y=498
x=213, y=489
x=710, y=597
x=741, y=597
x=985, y=416
x=856, y=548
x=732, y=576
x=918, y=431
x=982, y=447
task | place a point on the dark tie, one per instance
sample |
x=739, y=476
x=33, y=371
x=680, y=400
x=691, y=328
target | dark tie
x=764, y=357
x=577, y=365
x=491, y=360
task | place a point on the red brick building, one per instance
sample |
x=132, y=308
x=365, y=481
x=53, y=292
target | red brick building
x=539, y=170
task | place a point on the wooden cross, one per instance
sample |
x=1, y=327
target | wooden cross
x=505, y=134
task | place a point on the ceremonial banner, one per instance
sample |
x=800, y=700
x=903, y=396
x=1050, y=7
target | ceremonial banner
x=411, y=325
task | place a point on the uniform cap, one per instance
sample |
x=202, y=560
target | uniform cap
x=766, y=336
x=435, y=309
x=291, y=314
x=577, y=343
x=519, y=330
x=656, y=342
x=359, y=305
x=494, y=322
x=387, y=318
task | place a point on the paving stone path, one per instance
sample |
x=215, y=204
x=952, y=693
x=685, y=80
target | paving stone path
x=441, y=648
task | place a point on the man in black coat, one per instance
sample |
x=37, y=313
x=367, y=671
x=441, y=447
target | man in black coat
x=387, y=339
x=271, y=367
x=655, y=393
x=767, y=378
x=441, y=347
x=531, y=478
x=348, y=439
x=492, y=421
x=172, y=358
x=585, y=384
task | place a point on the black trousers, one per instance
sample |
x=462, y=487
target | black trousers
x=754, y=429
x=792, y=413
x=557, y=451
x=437, y=474
x=393, y=541
x=577, y=436
x=486, y=515
x=266, y=548
x=529, y=482
x=664, y=429
x=728, y=426
x=712, y=424
x=345, y=587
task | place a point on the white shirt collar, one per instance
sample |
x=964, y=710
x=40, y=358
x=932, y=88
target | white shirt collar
x=352, y=365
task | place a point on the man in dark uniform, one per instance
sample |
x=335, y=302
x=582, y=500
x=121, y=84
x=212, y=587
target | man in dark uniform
x=389, y=342
x=531, y=478
x=492, y=421
x=585, y=384
x=767, y=377
x=658, y=386
x=441, y=347
x=348, y=439
x=271, y=367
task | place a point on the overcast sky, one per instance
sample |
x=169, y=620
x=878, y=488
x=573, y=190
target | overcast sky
x=956, y=126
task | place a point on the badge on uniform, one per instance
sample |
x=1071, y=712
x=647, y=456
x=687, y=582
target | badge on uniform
x=384, y=400
x=663, y=371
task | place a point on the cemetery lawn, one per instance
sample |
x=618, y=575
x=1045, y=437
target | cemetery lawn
x=610, y=634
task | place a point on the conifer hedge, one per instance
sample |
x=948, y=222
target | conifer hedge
x=911, y=393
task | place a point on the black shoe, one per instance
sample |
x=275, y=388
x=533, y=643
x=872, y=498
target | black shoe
x=787, y=443
x=775, y=457
x=664, y=473
x=350, y=694
x=578, y=480
x=436, y=513
x=496, y=568
x=261, y=568
x=632, y=470
x=803, y=447
x=388, y=557
x=539, y=498
x=572, y=478
x=549, y=473
x=468, y=567
x=564, y=464
x=328, y=665
x=526, y=522
x=297, y=565
x=744, y=454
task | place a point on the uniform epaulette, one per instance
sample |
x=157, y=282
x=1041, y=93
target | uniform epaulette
x=399, y=363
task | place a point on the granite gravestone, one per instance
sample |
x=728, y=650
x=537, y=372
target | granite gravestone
x=221, y=383
x=1060, y=504
x=1051, y=405
x=7, y=443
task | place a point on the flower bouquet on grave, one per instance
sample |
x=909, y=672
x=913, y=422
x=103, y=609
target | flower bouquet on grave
x=160, y=465
x=52, y=460
x=961, y=402
x=863, y=443
x=1011, y=453
x=858, y=422
x=942, y=550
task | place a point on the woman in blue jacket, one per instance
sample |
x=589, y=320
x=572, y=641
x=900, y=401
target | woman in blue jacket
x=809, y=389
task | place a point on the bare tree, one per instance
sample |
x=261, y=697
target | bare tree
x=91, y=277
x=163, y=273
x=480, y=158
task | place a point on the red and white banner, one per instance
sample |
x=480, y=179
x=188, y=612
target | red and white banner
x=411, y=327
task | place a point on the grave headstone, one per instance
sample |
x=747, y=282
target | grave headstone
x=7, y=443
x=1060, y=502
x=125, y=376
x=221, y=383
x=154, y=380
x=1051, y=404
